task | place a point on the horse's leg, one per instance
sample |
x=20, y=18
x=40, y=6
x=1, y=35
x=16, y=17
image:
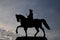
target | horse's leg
x=25, y=31
x=43, y=31
x=37, y=31
x=17, y=29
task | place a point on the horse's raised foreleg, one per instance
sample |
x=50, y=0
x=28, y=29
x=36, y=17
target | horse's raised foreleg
x=43, y=31
x=17, y=29
x=36, y=32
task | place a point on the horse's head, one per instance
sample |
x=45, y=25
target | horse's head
x=17, y=17
x=20, y=17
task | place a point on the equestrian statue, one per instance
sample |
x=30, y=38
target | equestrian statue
x=30, y=22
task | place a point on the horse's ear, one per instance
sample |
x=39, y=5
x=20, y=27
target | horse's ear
x=17, y=18
x=16, y=15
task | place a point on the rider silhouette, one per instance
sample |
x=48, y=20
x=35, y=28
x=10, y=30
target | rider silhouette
x=30, y=17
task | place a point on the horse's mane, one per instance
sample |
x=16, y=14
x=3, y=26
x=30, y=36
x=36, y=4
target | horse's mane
x=20, y=16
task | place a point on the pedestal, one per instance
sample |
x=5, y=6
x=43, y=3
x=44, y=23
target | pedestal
x=31, y=38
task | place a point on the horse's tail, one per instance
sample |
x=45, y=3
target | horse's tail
x=45, y=23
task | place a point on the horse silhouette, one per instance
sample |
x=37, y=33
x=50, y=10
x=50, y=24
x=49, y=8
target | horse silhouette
x=29, y=22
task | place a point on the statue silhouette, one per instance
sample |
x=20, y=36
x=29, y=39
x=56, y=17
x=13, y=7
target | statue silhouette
x=30, y=16
x=30, y=22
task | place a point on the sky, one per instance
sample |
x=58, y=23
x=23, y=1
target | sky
x=42, y=9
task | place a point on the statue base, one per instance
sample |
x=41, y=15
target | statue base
x=31, y=38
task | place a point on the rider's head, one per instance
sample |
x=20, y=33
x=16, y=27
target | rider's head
x=30, y=10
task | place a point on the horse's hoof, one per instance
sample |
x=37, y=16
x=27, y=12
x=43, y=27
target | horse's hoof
x=16, y=32
x=43, y=36
x=34, y=35
x=25, y=36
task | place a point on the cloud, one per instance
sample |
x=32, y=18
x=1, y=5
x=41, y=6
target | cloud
x=6, y=27
x=53, y=35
